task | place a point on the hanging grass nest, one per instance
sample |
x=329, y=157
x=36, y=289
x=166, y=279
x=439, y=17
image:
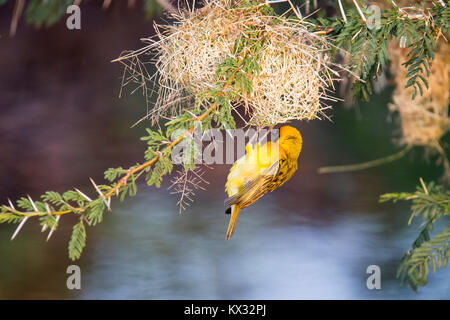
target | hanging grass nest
x=292, y=73
x=424, y=120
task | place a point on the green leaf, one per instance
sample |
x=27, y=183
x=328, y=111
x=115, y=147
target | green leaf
x=95, y=211
x=46, y=12
x=48, y=222
x=431, y=202
x=10, y=218
x=77, y=241
x=112, y=173
x=52, y=197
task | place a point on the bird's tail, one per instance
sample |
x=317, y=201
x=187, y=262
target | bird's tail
x=234, y=217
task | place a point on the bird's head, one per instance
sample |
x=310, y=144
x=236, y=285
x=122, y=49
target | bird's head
x=291, y=141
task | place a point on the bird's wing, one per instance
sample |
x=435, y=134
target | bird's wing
x=256, y=187
x=250, y=166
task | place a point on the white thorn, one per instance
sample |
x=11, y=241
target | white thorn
x=192, y=114
x=19, y=227
x=394, y=4
x=53, y=229
x=47, y=207
x=32, y=203
x=341, y=8
x=83, y=195
x=423, y=185
x=299, y=12
x=100, y=193
x=11, y=204
x=359, y=11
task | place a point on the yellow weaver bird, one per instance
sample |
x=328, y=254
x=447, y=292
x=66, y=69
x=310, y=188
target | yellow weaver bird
x=261, y=170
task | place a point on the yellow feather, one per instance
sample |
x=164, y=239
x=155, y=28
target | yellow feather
x=232, y=225
x=253, y=175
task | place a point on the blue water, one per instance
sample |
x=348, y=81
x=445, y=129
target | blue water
x=148, y=252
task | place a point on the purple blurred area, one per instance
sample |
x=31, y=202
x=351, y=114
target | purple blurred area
x=61, y=119
x=61, y=122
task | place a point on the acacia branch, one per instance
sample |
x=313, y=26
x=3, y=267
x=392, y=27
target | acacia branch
x=122, y=182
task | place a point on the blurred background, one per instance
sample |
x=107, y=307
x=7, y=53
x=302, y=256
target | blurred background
x=61, y=122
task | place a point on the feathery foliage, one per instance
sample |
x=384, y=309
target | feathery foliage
x=77, y=241
x=366, y=43
x=47, y=13
x=432, y=203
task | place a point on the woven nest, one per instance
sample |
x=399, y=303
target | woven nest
x=424, y=120
x=294, y=74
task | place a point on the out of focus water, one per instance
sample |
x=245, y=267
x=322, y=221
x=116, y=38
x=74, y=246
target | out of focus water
x=61, y=122
x=146, y=251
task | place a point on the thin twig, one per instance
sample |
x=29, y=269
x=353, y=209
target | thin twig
x=17, y=13
x=296, y=11
x=366, y=165
x=122, y=182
